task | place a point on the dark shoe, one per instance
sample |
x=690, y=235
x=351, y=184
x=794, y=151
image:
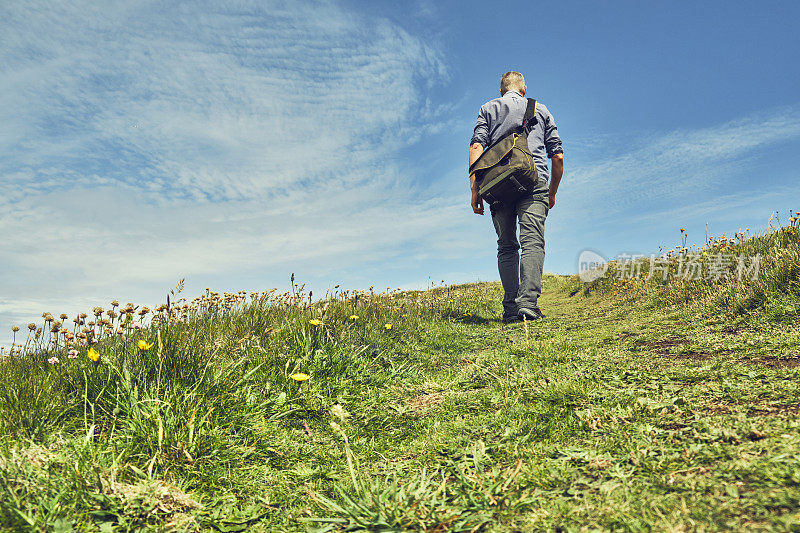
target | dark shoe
x=530, y=314
x=510, y=319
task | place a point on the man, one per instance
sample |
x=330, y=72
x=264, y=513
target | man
x=522, y=279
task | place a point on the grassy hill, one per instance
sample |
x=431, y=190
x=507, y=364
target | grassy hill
x=636, y=404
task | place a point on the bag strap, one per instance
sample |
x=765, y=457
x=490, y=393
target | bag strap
x=529, y=119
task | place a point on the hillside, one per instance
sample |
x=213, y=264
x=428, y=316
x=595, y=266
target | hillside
x=632, y=405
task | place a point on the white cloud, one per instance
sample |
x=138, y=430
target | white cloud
x=679, y=165
x=206, y=103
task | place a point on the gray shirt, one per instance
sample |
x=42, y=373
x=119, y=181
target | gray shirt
x=501, y=115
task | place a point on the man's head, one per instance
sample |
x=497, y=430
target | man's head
x=512, y=81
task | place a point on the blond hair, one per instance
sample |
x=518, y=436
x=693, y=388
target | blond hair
x=512, y=81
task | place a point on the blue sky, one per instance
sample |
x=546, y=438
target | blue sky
x=235, y=143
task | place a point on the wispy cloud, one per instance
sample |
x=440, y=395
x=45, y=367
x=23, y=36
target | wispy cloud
x=194, y=101
x=683, y=164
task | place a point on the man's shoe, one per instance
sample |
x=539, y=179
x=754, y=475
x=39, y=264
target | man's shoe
x=510, y=319
x=530, y=314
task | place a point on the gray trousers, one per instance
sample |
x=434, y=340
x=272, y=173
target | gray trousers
x=521, y=276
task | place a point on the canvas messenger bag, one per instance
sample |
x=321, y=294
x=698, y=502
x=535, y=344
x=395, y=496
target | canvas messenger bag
x=505, y=171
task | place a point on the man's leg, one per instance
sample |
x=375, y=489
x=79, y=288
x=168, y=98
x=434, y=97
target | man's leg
x=532, y=212
x=505, y=223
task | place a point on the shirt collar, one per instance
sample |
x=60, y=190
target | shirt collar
x=512, y=92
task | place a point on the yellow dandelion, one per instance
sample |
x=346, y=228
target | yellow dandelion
x=353, y=317
x=300, y=376
x=93, y=355
x=315, y=322
x=142, y=345
x=387, y=326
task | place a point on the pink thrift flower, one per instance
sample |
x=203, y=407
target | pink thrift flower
x=53, y=360
x=136, y=325
x=73, y=354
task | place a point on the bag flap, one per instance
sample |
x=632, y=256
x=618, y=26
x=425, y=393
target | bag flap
x=492, y=155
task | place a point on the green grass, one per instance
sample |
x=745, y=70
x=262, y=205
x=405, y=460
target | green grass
x=632, y=406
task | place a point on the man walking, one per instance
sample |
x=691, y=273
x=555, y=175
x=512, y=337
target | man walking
x=521, y=278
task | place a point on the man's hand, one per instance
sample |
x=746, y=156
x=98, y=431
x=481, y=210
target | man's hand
x=552, y=201
x=477, y=202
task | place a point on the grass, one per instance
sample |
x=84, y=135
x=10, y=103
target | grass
x=634, y=405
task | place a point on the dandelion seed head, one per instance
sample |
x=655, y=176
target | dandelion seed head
x=339, y=411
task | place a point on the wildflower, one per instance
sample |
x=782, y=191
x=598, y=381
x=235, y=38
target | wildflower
x=315, y=322
x=299, y=376
x=73, y=354
x=136, y=325
x=142, y=345
x=387, y=326
x=353, y=317
x=403, y=316
x=15, y=329
x=93, y=354
x=53, y=360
